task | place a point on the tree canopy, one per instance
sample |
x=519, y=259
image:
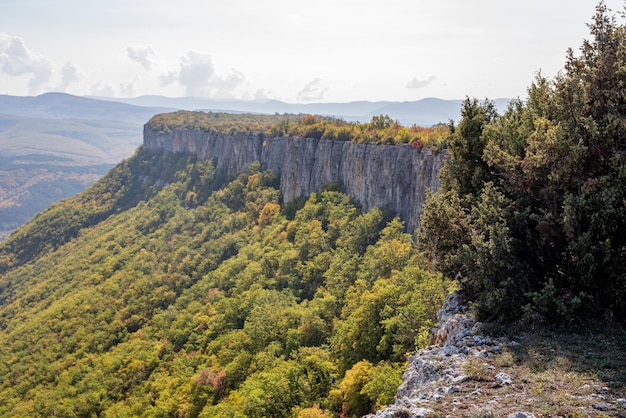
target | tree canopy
x=532, y=212
x=380, y=130
x=165, y=291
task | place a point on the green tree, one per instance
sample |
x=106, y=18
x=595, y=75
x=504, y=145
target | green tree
x=532, y=213
x=355, y=402
x=466, y=170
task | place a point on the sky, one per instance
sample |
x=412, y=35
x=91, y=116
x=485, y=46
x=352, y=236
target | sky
x=291, y=50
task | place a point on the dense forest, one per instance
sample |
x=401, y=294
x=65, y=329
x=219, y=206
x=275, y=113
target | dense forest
x=380, y=129
x=166, y=291
x=531, y=216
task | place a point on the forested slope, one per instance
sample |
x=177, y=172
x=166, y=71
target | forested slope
x=164, y=291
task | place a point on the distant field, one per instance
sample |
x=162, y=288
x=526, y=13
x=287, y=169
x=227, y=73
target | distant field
x=54, y=145
x=30, y=189
x=67, y=141
x=45, y=160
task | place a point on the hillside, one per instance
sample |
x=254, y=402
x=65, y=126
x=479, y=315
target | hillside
x=67, y=106
x=184, y=295
x=166, y=290
x=306, y=152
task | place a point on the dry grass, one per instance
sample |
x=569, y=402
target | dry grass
x=556, y=372
x=477, y=369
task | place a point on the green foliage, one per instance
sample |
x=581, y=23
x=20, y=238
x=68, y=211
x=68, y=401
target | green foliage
x=124, y=186
x=356, y=403
x=366, y=387
x=167, y=292
x=235, y=123
x=532, y=215
x=380, y=130
x=466, y=143
x=383, y=385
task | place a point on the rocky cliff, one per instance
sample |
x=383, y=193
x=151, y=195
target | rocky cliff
x=466, y=372
x=392, y=176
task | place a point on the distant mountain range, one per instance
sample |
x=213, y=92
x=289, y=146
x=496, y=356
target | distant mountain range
x=424, y=112
x=54, y=145
x=66, y=106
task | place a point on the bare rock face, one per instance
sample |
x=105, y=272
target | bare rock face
x=387, y=176
x=436, y=371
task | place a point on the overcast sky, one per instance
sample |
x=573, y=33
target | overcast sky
x=290, y=50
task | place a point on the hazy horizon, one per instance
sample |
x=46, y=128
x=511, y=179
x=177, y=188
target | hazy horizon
x=333, y=52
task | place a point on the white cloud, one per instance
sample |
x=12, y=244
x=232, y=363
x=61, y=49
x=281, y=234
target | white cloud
x=311, y=91
x=70, y=73
x=167, y=78
x=196, y=72
x=144, y=55
x=417, y=83
x=261, y=94
x=17, y=60
x=129, y=89
x=102, y=89
x=198, y=76
x=225, y=86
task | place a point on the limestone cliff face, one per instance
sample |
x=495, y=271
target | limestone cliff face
x=392, y=176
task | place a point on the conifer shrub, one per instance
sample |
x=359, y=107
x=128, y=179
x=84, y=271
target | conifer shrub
x=531, y=215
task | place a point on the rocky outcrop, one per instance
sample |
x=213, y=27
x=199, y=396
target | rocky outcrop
x=387, y=176
x=436, y=371
x=460, y=375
